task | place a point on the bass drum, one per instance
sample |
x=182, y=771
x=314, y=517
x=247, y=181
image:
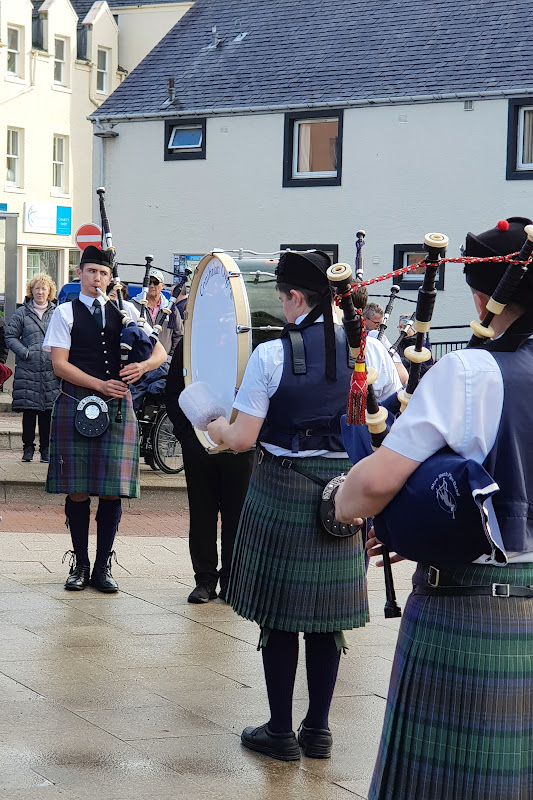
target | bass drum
x=232, y=307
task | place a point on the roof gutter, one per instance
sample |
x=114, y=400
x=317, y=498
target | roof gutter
x=449, y=97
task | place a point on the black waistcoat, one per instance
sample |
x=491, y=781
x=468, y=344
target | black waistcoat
x=93, y=350
x=510, y=461
x=306, y=409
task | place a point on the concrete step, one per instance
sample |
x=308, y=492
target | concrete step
x=23, y=483
x=5, y=402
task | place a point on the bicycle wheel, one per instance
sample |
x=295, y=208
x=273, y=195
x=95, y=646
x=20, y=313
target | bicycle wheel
x=166, y=448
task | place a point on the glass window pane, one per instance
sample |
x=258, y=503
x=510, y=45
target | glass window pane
x=317, y=146
x=102, y=60
x=13, y=142
x=43, y=261
x=185, y=138
x=73, y=264
x=59, y=148
x=12, y=63
x=527, y=137
x=60, y=49
x=12, y=39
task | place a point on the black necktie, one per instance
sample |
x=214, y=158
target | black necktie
x=98, y=312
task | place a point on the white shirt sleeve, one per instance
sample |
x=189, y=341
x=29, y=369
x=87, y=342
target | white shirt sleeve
x=388, y=380
x=261, y=379
x=458, y=402
x=386, y=344
x=59, y=328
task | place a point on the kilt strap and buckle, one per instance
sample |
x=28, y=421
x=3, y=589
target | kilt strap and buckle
x=492, y=589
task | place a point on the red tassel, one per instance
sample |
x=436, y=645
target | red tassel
x=356, y=412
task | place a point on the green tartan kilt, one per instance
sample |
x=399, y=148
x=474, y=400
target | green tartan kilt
x=287, y=572
x=103, y=465
x=459, y=718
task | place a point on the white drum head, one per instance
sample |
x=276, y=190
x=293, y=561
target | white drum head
x=214, y=350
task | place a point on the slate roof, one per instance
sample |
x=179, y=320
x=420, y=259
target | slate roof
x=315, y=53
x=82, y=7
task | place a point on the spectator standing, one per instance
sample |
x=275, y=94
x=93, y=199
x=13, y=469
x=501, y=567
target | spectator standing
x=35, y=385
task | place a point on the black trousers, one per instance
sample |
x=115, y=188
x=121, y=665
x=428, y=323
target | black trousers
x=29, y=418
x=216, y=484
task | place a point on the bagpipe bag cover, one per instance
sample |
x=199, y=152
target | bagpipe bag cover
x=444, y=514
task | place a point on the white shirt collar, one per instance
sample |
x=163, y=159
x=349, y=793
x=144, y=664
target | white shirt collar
x=88, y=301
x=320, y=319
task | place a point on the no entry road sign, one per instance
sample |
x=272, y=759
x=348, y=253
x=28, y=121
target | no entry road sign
x=88, y=234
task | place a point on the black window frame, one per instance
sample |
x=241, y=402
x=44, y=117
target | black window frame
x=414, y=282
x=184, y=155
x=327, y=248
x=288, y=145
x=512, y=172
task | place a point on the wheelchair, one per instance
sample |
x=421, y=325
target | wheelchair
x=158, y=445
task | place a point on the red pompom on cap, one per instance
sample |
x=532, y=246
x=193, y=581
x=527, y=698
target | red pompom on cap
x=503, y=225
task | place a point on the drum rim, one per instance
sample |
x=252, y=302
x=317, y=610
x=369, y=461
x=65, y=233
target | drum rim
x=242, y=316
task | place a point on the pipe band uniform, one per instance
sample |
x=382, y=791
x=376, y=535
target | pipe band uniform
x=288, y=574
x=458, y=717
x=85, y=338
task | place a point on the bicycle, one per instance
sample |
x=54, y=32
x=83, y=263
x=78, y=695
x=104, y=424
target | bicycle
x=158, y=445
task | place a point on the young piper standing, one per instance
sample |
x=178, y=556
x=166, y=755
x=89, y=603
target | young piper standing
x=288, y=573
x=86, y=457
x=458, y=723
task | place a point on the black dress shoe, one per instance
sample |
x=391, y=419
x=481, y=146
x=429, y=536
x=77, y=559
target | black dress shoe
x=45, y=458
x=102, y=579
x=315, y=742
x=77, y=579
x=202, y=593
x=282, y=746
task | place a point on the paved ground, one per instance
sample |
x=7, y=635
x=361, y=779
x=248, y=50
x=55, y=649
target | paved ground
x=141, y=696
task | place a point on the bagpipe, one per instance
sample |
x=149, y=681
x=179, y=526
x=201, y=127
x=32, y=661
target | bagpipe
x=447, y=494
x=135, y=344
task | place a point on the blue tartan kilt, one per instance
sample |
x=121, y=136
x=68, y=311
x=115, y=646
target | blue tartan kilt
x=103, y=465
x=459, y=717
x=287, y=572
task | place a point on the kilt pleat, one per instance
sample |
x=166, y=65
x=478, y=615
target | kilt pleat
x=459, y=718
x=103, y=465
x=288, y=573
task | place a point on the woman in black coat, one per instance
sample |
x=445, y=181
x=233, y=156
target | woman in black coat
x=35, y=385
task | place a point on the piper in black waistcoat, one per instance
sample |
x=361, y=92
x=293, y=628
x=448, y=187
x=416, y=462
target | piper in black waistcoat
x=84, y=339
x=288, y=574
x=458, y=718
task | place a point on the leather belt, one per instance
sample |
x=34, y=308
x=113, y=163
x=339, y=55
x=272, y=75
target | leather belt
x=433, y=588
x=492, y=589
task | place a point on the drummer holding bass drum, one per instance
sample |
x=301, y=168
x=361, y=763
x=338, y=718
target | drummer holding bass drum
x=289, y=574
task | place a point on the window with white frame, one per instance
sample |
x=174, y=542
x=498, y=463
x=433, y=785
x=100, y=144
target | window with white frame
x=13, y=51
x=407, y=255
x=13, y=161
x=185, y=139
x=313, y=149
x=60, y=61
x=59, y=164
x=102, y=70
x=520, y=139
x=524, y=158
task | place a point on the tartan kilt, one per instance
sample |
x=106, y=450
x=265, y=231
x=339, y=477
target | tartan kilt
x=103, y=465
x=287, y=572
x=459, y=718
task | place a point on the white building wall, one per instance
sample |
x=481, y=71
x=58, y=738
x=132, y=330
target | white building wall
x=39, y=108
x=406, y=171
x=141, y=28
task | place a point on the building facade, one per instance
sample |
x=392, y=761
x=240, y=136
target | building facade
x=59, y=61
x=297, y=130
